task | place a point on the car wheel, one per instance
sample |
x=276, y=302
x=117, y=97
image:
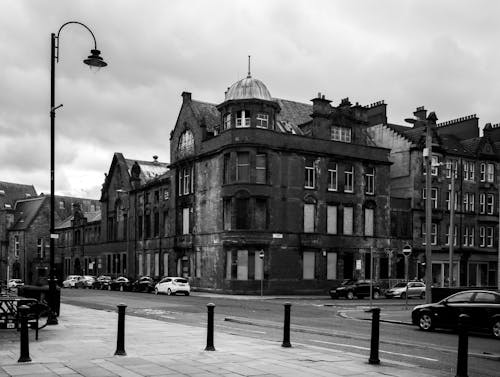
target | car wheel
x=422, y=295
x=187, y=293
x=350, y=295
x=403, y=295
x=169, y=292
x=121, y=288
x=109, y=287
x=156, y=291
x=425, y=321
x=495, y=328
x=376, y=295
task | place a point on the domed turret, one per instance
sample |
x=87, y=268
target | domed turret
x=248, y=88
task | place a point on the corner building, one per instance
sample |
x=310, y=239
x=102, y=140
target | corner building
x=300, y=185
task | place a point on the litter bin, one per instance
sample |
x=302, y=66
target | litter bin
x=41, y=293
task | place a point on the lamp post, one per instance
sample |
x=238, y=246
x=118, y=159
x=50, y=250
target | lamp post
x=94, y=60
x=431, y=119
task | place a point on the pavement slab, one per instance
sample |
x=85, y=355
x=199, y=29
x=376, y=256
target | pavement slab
x=84, y=342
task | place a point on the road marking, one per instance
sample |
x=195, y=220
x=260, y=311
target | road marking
x=367, y=349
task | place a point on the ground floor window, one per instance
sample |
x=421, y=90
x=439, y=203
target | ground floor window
x=331, y=266
x=308, y=264
x=140, y=265
x=244, y=265
x=477, y=274
x=441, y=276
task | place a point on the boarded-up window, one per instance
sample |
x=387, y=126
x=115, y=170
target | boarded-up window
x=227, y=171
x=260, y=168
x=368, y=222
x=229, y=264
x=242, y=272
x=165, y=264
x=331, y=266
x=348, y=212
x=198, y=264
x=308, y=218
x=140, y=265
x=148, y=264
x=157, y=264
x=242, y=167
x=331, y=220
x=185, y=221
x=227, y=214
x=308, y=265
x=260, y=213
x=242, y=213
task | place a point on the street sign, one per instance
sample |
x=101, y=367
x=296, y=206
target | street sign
x=261, y=254
x=406, y=250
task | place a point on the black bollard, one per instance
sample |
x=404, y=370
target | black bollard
x=375, y=336
x=286, y=328
x=463, y=345
x=210, y=328
x=25, y=342
x=120, y=341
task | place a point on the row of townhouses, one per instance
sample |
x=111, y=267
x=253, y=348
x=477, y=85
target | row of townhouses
x=265, y=190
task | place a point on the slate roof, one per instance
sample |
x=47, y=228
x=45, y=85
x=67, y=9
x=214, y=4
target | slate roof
x=26, y=211
x=206, y=113
x=149, y=169
x=471, y=144
x=11, y=192
x=91, y=217
x=292, y=115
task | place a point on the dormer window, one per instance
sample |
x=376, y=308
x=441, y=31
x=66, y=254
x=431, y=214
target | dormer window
x=341, y=134
x=227, y=121
x=262, y=120
x=243, y=118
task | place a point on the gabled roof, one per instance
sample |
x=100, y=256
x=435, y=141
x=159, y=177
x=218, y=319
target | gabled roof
x=26, y=211
x=11, y=192
x=90, y=216
x=149, y=169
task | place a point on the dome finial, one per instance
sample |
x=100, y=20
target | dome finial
x=249, y=75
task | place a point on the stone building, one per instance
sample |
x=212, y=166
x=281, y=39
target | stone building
x=301, y=185
x=28, y=236
x=10, y=193
x=473, y=161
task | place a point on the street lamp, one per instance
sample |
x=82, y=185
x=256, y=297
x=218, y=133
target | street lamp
x=94, y=60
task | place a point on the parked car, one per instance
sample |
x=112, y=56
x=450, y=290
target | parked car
x=483, y=307
x=173, y=285
x=355, y=288
x=144, y=284
x=14, y=283
x=407, y=289
x=102, y=282
x=121, y=283
x=71, y=281
x=86, y=281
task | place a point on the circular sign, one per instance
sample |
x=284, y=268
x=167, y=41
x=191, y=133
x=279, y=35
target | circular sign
x=261, y=254
x=406, y=250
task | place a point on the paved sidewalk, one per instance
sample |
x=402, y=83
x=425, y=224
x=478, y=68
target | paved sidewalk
x=84, y=342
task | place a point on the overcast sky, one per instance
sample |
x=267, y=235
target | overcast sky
x=443, y=55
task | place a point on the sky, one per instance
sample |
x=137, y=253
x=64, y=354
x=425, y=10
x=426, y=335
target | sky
x=439, y=54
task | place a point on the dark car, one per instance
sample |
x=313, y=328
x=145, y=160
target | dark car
x=483, y=307
x=355, y=288
x=144, y=284
x=102, y=282
x=121, y=283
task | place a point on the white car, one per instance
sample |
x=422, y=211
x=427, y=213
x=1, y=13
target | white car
x=173, y=285
x=411, y=288
x=14, y=283
x=71, y=281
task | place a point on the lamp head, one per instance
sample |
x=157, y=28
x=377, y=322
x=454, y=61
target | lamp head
x=95, y=60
